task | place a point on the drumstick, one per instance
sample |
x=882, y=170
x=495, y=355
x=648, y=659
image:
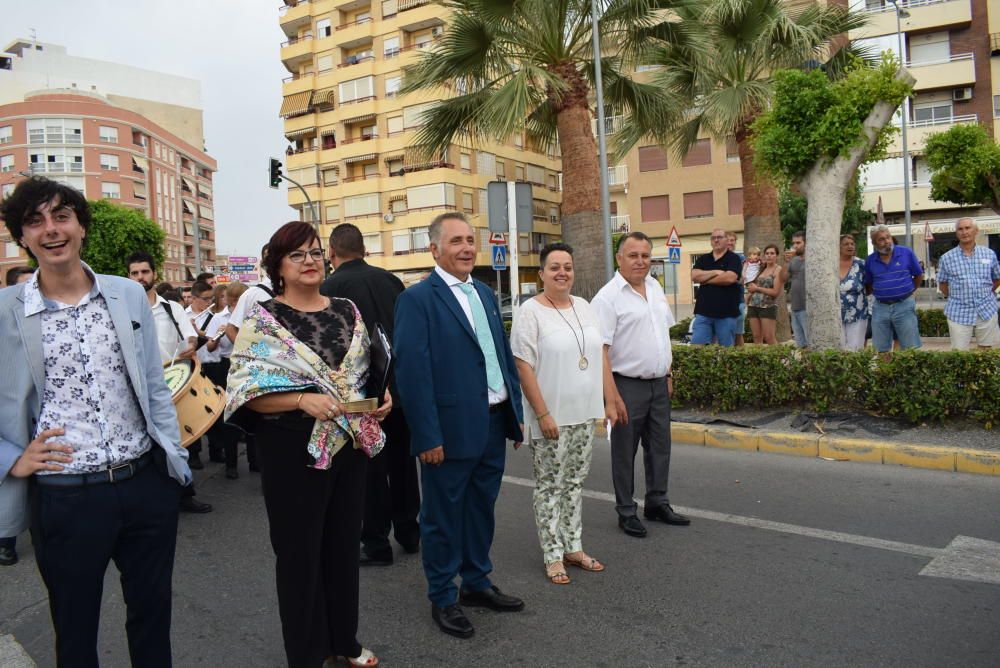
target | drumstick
x=173, y=358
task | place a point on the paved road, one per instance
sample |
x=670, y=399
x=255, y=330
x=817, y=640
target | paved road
x=789, y=562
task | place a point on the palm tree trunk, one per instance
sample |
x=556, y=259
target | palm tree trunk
x=761, y=222
x=582, y=227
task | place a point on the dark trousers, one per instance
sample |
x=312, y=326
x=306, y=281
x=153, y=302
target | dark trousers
x=456, y=518
x=392, y=497
x=9, y=542
x=223, y=437
x=648, y=406
x=315, y=526
x=76, y=531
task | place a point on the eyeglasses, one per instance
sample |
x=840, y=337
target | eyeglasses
x=298, y=257
x=717, y=238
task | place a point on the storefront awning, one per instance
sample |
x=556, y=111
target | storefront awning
x=296, y=103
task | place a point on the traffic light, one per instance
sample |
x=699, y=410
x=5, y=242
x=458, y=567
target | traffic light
x=275, y=173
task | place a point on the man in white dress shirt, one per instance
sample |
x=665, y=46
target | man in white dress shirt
x=635, y=322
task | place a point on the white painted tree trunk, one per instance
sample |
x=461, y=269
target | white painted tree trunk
x=824, y=188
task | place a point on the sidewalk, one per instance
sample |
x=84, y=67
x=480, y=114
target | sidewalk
x=964, y=447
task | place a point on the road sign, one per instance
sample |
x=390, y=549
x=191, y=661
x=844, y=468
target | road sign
x=496, y=206
x=928, y=235
x=674, y=256
x=499, y=258
x=498, y=238
x=675, y=240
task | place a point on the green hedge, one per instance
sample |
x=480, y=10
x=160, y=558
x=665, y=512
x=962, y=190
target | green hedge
x=915, y=384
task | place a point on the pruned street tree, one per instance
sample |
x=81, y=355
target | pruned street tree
x=815, y=137
x=117, y=231
x=965, y=166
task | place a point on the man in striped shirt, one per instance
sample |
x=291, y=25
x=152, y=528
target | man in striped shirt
x=892, y=274
x=967, y=275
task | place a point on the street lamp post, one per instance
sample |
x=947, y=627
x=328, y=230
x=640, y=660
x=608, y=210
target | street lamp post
x=903, y=14
x=602, y=147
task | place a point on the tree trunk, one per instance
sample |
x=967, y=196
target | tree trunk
x=582, y=226
x=761, y=222
x=824, y=187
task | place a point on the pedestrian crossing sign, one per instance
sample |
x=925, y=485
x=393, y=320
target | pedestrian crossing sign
x=674, y=255
x=499, y=257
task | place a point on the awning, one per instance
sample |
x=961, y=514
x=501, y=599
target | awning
x=361, y=158
x=324, y=96
x=294, y=134
x=392, y=157
x=397, y=197
x=139, y=189
x=206, y=212
x=296, y=103
x=359, y=119
x=204, y=189
x=186, y=206
x=327, y=133
x=189, y=229
x=141, y=163
x=189, y=183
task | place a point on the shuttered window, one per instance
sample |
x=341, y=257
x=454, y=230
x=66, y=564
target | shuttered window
x=698, y=205
x=700, y=154
x=652, y=159
x=655, y=208
x=736, y=201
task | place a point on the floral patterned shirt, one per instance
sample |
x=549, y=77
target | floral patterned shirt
x=87, y=387
x=853, y=300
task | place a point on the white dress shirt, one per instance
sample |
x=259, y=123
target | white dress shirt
x=637, y=329
x=253, y=295
x=463, y=300
x=166, y=334
x=215, y=325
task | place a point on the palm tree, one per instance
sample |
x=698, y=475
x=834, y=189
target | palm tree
x=528, y=65
x=720, y=72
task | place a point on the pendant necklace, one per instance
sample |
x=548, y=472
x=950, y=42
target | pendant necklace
x=581, y=346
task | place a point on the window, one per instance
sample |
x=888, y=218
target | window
x=883, y=173
x=934, y=47
x=392, y=85
x=413, y=115
x=655, y=209
x=736, y=201
x=465, y=163
x=109, y=162
x=419, y=239
x=389, y=8
x=6, y=189
x=323, y=28
x=501, y=171
x=111, y=191
x=6, y=163
x=332, y=213
x=373, y=243
x=732, y=150
x=398, y=206
x=6, y=134
x=331, y=177
x=652, y=159
x=139, y=190
x=486, y=164
x=535, y=174
x=395, y=167
x=420, y=41
x=699, y=154
x=698, y=205
x=324, y=63
x=400, y=241
x=996, y=107
x=394, y=125
x=11, y=249
x=931, y=112
x=369, y=131
x=390, y=47
x=108, y=135
x=518, y=172
x=361, y=205
x=56, y=160
x=467, y=201
x=357, y=89
x=434, y=195
x=55, y=131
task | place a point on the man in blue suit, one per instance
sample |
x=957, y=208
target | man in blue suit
x=461, y=395
x=90, y=450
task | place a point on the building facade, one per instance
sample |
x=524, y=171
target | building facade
x=113, y=144
x=350, y=137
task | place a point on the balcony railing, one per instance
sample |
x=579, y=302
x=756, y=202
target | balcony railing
x=345, y=26
x=953, y=58
x=887, y=6
x=612, y=124
x=421, y=45
x=404, y=5
x=355, y=140
x=360, y=177
x=356, y=61
x=620, y=224
x=296, y=40
x=945, y=120
x=283, y=9
x=357, y=100
x=618, y=175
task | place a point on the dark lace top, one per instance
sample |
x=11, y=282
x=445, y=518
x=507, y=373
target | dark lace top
x=328, y=332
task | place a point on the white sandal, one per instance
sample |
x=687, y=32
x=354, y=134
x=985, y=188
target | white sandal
x=366, y=659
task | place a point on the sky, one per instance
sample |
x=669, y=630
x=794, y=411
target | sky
x=230, y=46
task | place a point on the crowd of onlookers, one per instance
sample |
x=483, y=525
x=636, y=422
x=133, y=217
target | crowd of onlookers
x=877, y=294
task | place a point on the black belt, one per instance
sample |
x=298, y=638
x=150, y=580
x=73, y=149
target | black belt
x=496, y=408
x=112, y=475
x=644, y=380
x=893, y=301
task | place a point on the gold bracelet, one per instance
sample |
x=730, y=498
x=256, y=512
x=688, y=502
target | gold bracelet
x=539, y=417
x=301, y=394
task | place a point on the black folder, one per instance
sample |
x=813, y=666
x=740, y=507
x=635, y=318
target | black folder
x=379, y=364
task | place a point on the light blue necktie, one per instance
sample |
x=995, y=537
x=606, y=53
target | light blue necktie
x=494, y=377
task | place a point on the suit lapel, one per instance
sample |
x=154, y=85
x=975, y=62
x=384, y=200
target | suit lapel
x=446, y=295
x=123, y=327
x=31, y=337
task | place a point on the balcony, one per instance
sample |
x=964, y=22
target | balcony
x=355, y=33
x=952, y=72
x=924, y=15
x=293, y=16
x=620, y=224
x=892, y=198
x=351, y=61
x=612, y=124
x=295, y=51
x=917, y=132
x=414, y=15
x=617, y=177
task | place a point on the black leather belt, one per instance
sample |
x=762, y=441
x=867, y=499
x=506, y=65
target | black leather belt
x=887, y=302
x=496, y=408
x=112, y=475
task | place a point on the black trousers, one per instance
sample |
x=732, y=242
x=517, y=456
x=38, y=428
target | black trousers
x=315, y=526
x=76, y=531
x=392, y=499
x=222, y=436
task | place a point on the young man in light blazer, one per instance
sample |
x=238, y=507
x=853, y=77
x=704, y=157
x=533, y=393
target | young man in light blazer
x=90, y=452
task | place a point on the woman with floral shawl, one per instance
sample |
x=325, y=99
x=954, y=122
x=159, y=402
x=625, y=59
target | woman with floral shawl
x=297, y=362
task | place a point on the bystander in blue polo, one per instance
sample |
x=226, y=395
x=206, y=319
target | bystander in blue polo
x=891, y=274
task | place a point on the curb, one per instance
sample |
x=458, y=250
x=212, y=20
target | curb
x=941, y=458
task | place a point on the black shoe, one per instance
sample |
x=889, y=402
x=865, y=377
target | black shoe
x=666, y=514
x=411, y=548
x=189, y=504
x=632, y=526
x=8, y=556
x=491, y=598
x=217, y=456
x=232, y=472
x=254, y=468
x=381, y=560
x=452, y=621
x=194, y=462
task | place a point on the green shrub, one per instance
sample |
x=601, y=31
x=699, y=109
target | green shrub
x=931, y=322
x=678, y=331
x=917, y=385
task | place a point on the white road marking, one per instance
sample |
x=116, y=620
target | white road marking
x=12, y=655
x=964, y=558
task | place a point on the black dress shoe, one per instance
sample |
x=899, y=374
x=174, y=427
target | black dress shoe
x=232, y=472
x=411, y=548
x=381, y=560
x=491, y=598
x=189, y=504
x=666, y=514
x=632, y=526
x=194, y=463
x=452, y=621
x=8, y=556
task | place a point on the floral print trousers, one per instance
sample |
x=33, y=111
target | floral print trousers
x=560, y=466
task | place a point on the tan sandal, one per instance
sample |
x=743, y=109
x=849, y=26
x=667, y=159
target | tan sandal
x=585, y=562
x=366, y=659
x=556, y=573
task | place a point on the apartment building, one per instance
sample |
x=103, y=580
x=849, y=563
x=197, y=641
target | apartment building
x=112, y=132
x=351, y=137
x=952, y=47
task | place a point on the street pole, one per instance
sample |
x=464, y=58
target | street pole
x=312, y=209
x=196, y=222
x=512, y=249
x=906, y=121
x=602, y=148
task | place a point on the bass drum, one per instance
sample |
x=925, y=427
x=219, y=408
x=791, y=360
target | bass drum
x=198, y=401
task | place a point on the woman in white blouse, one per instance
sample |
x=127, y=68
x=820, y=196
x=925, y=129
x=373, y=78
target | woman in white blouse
x=556, y=341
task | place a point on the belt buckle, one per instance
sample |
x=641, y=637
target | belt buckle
x=111, y=471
